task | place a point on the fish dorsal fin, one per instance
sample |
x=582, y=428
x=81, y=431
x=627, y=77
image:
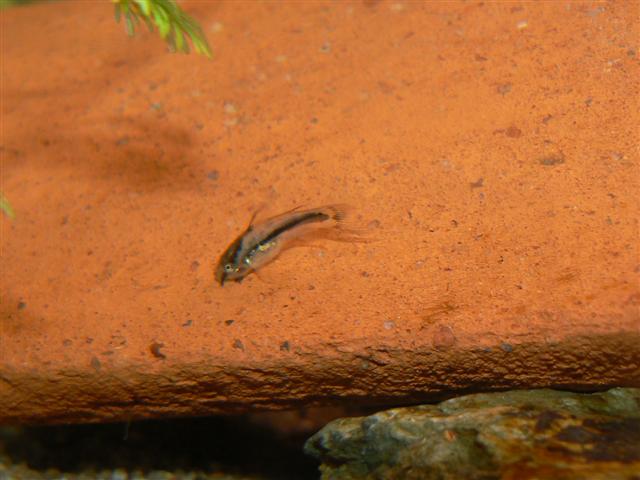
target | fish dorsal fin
x=288, y=212
x=253, y=218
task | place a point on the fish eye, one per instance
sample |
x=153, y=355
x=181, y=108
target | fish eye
x=228, y=268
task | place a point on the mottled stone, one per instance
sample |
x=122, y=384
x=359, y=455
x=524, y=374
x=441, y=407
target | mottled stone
x=517, y=434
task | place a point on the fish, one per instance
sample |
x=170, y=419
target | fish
x=260, y=243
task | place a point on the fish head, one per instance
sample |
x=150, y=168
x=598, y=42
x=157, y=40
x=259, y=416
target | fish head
x=230, y=267
x=230, y=272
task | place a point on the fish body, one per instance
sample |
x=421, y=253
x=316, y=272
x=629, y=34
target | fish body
x=260, y=243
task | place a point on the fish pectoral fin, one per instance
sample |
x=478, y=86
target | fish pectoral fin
x=294, y=209
x=254, y=215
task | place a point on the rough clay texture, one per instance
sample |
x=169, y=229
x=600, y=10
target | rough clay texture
x=529, y=434
x=490, y=149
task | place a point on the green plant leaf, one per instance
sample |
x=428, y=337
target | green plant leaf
x=5, y=206
x=179, y=38
x=129, y=24
x=173, y=24
x=162, y=22
x=145, y=6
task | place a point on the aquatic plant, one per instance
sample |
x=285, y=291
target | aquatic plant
x=5, y=206
x=173, y=24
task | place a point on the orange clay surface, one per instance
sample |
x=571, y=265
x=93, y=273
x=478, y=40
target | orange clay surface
x=491, y=151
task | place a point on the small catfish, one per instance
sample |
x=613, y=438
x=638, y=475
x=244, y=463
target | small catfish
x=262, y=242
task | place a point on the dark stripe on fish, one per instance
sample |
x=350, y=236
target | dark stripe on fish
x=311, y=217
x=236, y=248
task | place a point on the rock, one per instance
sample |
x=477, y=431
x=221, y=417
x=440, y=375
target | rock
x=513, y=435
x=529, y=278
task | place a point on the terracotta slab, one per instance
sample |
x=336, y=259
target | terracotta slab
x=491, y=148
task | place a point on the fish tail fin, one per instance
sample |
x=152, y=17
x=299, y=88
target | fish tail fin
x=346, y=226
x=339, y=212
